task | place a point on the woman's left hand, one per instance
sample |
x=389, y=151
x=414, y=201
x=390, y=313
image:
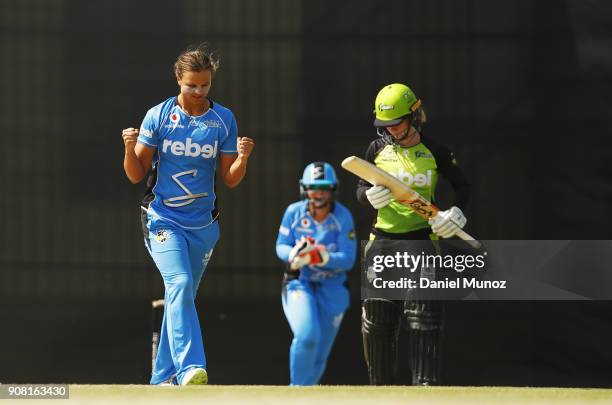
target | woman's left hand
x=245, y=146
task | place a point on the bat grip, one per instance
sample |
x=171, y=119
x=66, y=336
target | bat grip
x=469, y=239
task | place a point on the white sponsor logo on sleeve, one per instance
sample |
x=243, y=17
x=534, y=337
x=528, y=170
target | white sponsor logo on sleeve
x=284, y=230
x=146, y=132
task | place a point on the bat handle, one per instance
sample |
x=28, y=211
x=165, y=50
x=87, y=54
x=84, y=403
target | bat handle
x=469, y=239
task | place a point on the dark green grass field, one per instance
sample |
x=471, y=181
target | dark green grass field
x=244, y=394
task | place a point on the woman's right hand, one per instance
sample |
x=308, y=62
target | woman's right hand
x=137, y=158
x=379, y=196
x=130, y=136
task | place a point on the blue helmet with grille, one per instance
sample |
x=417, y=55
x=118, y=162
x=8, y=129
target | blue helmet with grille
x=318, y=176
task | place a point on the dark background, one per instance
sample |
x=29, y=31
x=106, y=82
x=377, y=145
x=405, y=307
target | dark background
x=520, y=89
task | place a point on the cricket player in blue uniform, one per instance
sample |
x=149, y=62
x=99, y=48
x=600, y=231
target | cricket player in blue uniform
x=180, y=141
x=316, y=240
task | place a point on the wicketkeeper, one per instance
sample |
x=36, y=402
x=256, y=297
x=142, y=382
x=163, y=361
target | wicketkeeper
x=316, y=241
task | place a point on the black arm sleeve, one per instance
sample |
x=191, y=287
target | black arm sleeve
x=373, y=149
x=447, y=166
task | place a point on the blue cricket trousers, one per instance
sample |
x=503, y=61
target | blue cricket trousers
x=181, y=257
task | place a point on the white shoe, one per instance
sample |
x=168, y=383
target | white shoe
x=169, y=381
x=195, y=376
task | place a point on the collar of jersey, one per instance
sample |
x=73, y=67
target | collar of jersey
x=306, y=212
x=406, y=147
x=210, y=107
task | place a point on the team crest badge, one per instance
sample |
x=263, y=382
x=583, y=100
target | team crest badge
x=174, y=118
x=317, y=172
x=162, y=236
x=305, y=222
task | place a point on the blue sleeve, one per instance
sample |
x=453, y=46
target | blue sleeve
x=149, y=129
x=344, y=257
x=285, y=240
x=229, y=144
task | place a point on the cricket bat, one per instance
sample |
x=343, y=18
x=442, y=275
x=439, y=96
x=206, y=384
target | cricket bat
x=401, y=192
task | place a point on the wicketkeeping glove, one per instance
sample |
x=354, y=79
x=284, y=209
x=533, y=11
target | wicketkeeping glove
x=304, y=244
x=306, y=252
x=447, y=223
x=379, y=196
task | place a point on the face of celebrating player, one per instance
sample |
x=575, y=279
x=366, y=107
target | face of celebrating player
x=194, y=90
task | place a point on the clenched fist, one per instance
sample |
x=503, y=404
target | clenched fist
x=130, y=136
x=245, y=146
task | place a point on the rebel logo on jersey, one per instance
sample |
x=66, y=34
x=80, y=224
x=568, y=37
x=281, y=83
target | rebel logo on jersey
x=417, y=179
x=190, y=148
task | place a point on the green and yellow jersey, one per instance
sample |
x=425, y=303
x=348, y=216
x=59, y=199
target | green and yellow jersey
x=419, y=167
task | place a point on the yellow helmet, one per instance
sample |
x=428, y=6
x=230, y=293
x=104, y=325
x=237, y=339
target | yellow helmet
x=393, y=103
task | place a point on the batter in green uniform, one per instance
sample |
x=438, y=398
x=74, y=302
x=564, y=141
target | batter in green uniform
x=403, y=151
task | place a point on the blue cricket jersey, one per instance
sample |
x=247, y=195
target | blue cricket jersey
x=336, y=232
x=186, y=155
